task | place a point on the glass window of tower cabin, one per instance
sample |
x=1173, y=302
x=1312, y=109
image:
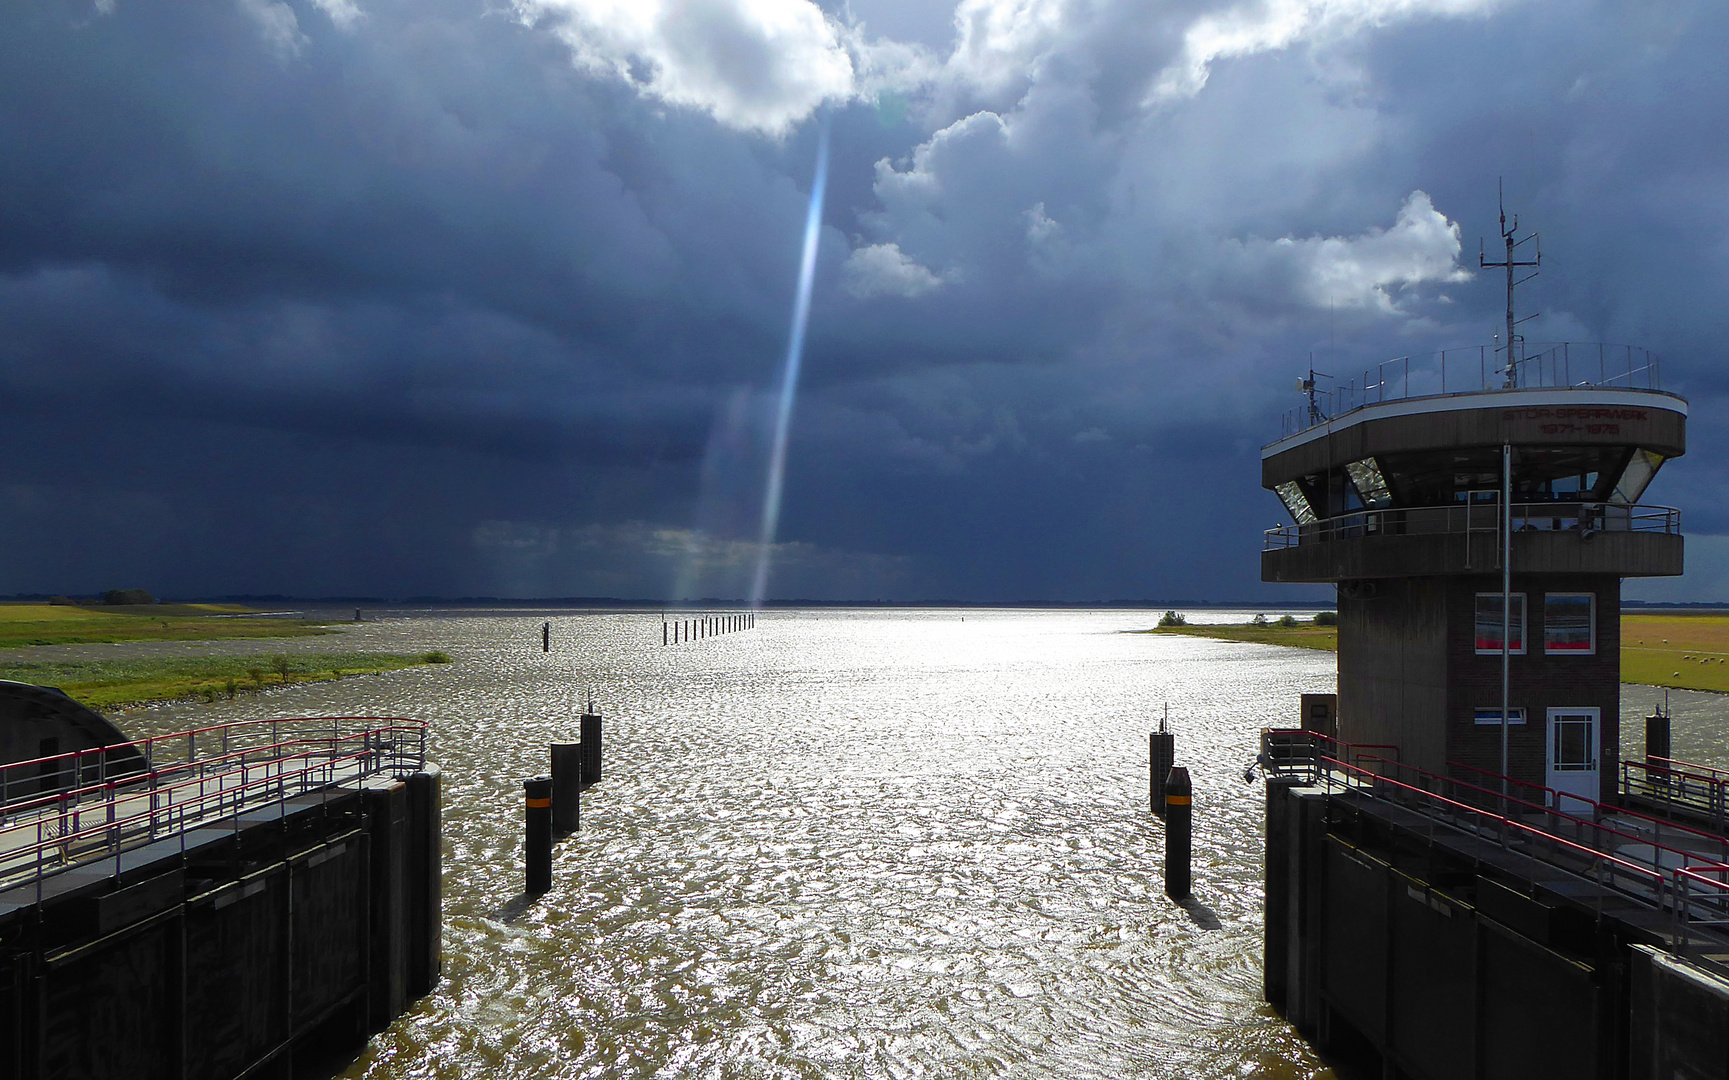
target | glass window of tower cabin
x=1489, y=623
x=1569, y=623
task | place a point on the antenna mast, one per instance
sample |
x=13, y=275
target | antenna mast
x=1307, y=386
x=1507, y=236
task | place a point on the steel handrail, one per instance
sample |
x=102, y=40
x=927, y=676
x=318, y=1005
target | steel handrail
x=1687, y=768
x=1685, y=905
x=68, y=804
x=1704, y=792
x=1464, y=519
x=225, y=783
x=1598, y=808
x=1499, y=797
x=147, y=743
x=1686, y=858
x=1707, y=904
x=1504, y=823
x=1545, y=365
x=135, y=776
x=112, y=827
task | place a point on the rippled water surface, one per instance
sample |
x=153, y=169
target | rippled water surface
x=879, y=844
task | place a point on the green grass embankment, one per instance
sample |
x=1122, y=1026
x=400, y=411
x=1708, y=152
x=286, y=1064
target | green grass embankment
x=111, y=684
x=1302, y=636
x=61, y=624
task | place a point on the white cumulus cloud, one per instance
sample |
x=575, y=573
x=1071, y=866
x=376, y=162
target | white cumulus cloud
x=1421, y=248
x=760, y=65
x=884, y=270
x=1266, y=25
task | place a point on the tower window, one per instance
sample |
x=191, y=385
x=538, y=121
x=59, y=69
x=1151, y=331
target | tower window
x=1296, y=502
x=1641, y=467
x=1488, y=629
x=1570, y=623
x=1370, y=484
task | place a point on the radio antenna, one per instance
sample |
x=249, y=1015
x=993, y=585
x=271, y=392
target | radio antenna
x=1307, y=386
x=1511, y=263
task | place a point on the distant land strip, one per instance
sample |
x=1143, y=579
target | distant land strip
x=1683, y=651
x=80, y=624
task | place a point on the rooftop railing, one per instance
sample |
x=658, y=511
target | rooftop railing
x=90, y=806
x=1478, y=517
x=1567, y=364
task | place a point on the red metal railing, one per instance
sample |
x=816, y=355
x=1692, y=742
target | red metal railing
x=1548, y=796
x=170, y=788
x=1608, y=868
x=1692, y=886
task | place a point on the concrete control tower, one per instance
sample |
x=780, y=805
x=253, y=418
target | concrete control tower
x=1424, y=504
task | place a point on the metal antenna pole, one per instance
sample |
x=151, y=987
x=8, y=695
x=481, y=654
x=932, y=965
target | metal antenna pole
x=1307, y=386
x=1510, y=263
x=1506, y=599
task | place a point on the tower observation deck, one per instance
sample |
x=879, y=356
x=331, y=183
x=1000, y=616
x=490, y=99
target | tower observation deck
x=1425, y=504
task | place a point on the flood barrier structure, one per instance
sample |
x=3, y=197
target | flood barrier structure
x=252, y=899
x=1454, y=930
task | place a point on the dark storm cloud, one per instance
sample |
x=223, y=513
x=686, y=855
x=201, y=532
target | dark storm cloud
x=462, y=298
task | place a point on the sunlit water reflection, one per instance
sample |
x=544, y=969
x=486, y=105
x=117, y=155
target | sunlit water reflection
x=853, y=844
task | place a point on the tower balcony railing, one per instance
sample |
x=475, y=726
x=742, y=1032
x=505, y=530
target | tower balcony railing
x=1583, y=518
x=1560, y=365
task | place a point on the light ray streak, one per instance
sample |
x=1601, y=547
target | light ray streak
x=789, y=377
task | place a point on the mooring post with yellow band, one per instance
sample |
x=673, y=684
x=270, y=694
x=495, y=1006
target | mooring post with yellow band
x=1179, y=816
x=537, y=834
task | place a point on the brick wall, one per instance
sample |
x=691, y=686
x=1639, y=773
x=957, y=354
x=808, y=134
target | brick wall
x=1537, y=681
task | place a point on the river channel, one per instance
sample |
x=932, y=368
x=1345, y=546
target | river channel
x=842, y=844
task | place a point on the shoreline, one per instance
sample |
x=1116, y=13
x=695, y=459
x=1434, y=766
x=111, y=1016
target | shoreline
x=1667, y=650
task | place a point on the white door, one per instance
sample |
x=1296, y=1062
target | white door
x=1573, y=750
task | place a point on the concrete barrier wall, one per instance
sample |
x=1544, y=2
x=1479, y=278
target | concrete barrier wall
x=289, y=937
x=1680, y=1019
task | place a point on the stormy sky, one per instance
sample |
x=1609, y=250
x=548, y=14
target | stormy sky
x=492, y=297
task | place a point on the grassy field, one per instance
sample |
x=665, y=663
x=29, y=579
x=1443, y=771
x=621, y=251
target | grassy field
x=110, y=684
x=1688, y=652
x=47, y=624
